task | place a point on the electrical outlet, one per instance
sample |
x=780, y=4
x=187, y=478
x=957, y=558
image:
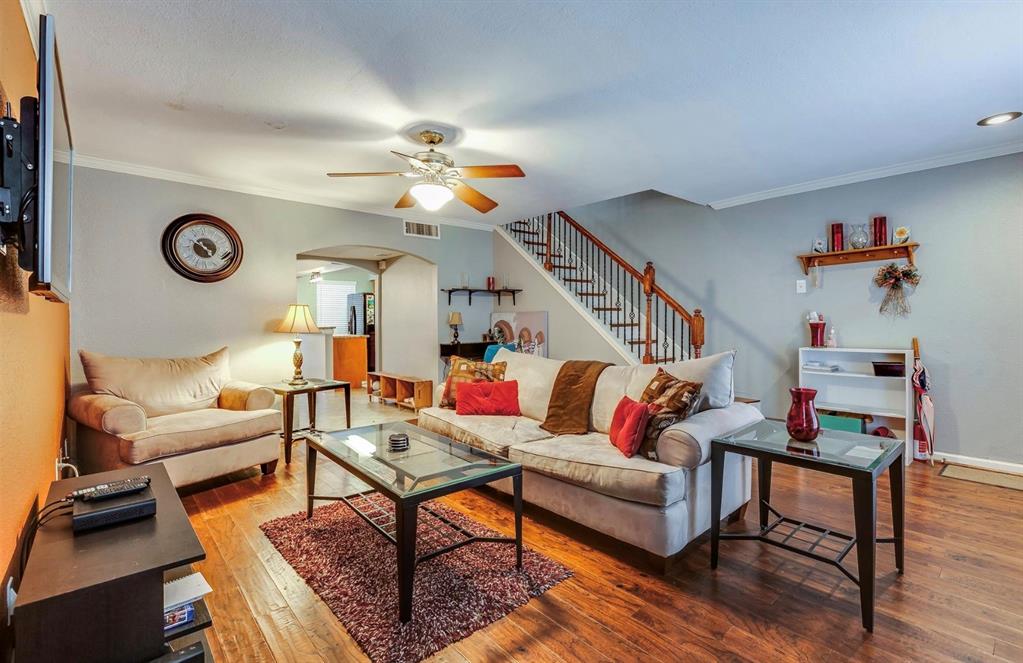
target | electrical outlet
x=10, y=596
x=801, y=286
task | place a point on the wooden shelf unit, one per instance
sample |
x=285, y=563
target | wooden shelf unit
x=486, y=291
x=856, y=390
x=100, y=594
x=852, y=256
x=397, y=389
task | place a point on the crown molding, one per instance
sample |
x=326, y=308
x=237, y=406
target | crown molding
x=152, y=172
x=872, y=174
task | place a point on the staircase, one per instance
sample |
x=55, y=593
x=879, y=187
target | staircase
x=629, y=304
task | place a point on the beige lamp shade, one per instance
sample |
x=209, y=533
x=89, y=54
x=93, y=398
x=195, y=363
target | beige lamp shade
x=454, y=318
x=298, y=320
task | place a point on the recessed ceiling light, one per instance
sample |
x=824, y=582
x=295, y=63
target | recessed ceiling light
x=1001, y=118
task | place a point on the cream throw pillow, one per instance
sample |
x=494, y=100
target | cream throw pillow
x=160, y=386
x=714, y=372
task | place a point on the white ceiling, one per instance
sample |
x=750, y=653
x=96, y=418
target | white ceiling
x=715, y=103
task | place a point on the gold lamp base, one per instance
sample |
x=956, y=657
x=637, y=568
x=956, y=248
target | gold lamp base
x=296, y=359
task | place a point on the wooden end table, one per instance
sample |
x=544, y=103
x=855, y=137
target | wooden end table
x=862, y=458
x=310, y=388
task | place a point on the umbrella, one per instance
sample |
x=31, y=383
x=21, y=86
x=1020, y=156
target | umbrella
x=923, y=429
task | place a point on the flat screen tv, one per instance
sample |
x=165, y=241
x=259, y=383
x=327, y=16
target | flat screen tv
x=51, y=276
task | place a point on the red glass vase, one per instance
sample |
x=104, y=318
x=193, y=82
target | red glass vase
x=817, y=334
x=801, y=421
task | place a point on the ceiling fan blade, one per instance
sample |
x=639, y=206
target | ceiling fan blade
x=479, y=172
x=472, y=197
x=406, y=201
x=363, y=174
x=412, y=160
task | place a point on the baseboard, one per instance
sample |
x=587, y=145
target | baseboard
x=982, y=463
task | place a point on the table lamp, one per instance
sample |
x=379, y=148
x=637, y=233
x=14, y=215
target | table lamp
x=298, y=320
x=454, y=320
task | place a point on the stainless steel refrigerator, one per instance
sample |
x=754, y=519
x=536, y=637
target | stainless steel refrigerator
x=362, y=319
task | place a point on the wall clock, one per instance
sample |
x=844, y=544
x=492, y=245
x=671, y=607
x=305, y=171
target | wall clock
x=202, y=248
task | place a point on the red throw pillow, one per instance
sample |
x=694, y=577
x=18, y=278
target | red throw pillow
x=628, y=425
x=501, y=398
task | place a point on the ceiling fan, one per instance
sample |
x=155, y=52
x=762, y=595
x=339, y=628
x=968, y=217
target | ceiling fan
x=439, y=179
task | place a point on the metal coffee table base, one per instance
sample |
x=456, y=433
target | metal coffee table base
x=400, y=525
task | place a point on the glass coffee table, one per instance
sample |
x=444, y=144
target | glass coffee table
x=432, y=466
x=863, y=458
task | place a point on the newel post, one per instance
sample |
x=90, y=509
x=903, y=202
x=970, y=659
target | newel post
x=697, y=333
x=547, y=264
x=648, y=290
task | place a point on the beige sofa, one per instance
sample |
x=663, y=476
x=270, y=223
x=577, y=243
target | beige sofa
x=657, y=505
x=186, y=413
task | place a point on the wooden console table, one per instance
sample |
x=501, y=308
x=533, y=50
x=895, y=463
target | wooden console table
x=98, y=596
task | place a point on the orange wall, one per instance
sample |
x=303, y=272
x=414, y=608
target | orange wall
x=33, y=341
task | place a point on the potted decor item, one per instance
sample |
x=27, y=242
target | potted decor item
x=896, y=278
x=801, y=422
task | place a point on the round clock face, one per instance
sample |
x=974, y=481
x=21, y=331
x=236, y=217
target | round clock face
x=202, y=247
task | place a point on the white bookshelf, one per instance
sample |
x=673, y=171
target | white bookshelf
x=855, y=389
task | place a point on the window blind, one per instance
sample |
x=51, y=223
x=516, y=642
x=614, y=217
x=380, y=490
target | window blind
x=332, y=303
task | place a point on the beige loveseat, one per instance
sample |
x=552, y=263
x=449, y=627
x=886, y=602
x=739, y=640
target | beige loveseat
x=186, y=413
x=657, y=505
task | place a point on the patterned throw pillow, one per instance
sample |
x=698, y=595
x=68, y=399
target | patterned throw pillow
x=467, y=370
x=671, y=401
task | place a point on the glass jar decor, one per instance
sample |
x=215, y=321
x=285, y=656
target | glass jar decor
x=859, y=239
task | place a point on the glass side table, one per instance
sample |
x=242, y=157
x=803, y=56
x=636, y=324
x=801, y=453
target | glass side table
x=862, y=458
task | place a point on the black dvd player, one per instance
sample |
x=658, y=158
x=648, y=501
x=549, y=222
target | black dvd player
x=87, y=515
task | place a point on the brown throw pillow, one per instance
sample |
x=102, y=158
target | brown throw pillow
x=671, y=401
x=467, y=370
x=661, y=381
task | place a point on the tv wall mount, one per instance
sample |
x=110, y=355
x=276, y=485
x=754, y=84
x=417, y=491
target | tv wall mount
x=19, y=180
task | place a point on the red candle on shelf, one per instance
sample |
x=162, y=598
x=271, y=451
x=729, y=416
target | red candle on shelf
x=801, y=422
x=490, y=283
x=837, y=241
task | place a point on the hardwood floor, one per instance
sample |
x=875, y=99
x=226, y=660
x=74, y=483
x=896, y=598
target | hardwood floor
x=960, y=598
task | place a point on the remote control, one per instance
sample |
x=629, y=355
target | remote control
x=105, y=491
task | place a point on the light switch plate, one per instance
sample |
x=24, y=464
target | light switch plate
x=801, y=286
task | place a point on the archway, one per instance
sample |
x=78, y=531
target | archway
x=406, y=337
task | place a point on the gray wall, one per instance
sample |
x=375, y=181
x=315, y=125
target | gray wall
x=739, y=266
x=408, y=293
x=570, y=335
x=128, y=301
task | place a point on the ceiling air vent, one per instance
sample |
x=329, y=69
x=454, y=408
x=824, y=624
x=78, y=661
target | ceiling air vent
x=428, y=230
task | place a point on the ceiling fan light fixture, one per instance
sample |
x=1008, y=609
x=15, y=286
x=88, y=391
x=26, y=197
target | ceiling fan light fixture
x=1000, y=118
x=431, y=195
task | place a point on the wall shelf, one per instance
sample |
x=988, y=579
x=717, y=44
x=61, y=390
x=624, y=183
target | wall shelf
x=486, y=291
x=852, y=256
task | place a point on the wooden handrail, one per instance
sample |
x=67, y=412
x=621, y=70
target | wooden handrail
x=655, y=289
x=650, y=335
x=602, y=246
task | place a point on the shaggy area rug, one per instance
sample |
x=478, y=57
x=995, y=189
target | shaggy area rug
x=354, y=570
